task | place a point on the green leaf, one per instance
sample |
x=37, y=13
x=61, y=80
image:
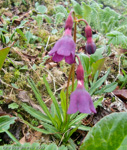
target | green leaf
x=61, y=9
x=41, y=9
x=47, y=18
x=71, y=145
x=12, y=137
x=52, y=97
x=14, y=18
x=23, y=22
x=123, y=145
x=84, y=128
x=96, y=56
x=21, y=34
x=109, y=133
x=1, y=92
x=52, y=130
x=117, y=38
x=3, y=30
x=98, y=83
x=41, y=102
x=86, y=11
x=54, y=31
x=108, y=88
x=85, y=61
x=33, y=146
x=51, y=147
x=14, y=85
x=77, y=119
x=35, y=113
x=5, y=122
x=98, y=102
x=3, y=55
x=78, y=9
x=24, y=68
x=36, y=128
x=74, y=128
x=63, y=102
x=13, y=106
x=62, y=148
x=97, y=66
x=59, y=18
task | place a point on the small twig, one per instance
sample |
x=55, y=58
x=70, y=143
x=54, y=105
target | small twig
x=10, y=85
x=47, y=43
x=118, y=68
x=53, y=79
x=63, y=137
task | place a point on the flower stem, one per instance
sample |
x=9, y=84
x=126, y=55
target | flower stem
x=73, y=76
x=72, y=73
x=68, y=82
x=83, y=21
x=73, y=65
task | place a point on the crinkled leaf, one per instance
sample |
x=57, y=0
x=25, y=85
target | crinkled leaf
x=13, y=106
x=41, y=9
x=51, y=147
x=117, y=38
x=61, y=9
x=78, y=9
x=86, y=11
x=59, y=18
x=109, y=133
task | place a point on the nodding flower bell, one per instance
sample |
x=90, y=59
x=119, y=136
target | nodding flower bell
x=80, y=99
x=90, y=45
x=65, y=47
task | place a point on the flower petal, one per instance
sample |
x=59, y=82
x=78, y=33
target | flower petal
x=84, y=102
x=73, y=108
x=92, y=108
x=67, y=47
x=56, y=46
x=57, y=58
x=69, y=59
x=80, y=100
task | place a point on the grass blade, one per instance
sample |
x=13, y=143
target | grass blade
x=53, y=98
x=42, y=104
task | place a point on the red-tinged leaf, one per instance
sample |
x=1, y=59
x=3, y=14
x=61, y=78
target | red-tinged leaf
x=122, y=94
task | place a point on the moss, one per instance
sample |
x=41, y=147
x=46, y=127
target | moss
x=53, y=38
x=2, y=9
x=8, y=77
x=43, y=33
x=50, y=9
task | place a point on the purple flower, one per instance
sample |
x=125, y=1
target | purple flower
x=90, y=46
x=80, y=99
x=65, y=47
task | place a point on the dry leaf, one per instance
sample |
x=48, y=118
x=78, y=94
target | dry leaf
x=122, y=94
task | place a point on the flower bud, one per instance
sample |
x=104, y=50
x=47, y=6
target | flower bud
x=90, y=46
x=88, y=31
x=69, y=22
x=80, y=71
